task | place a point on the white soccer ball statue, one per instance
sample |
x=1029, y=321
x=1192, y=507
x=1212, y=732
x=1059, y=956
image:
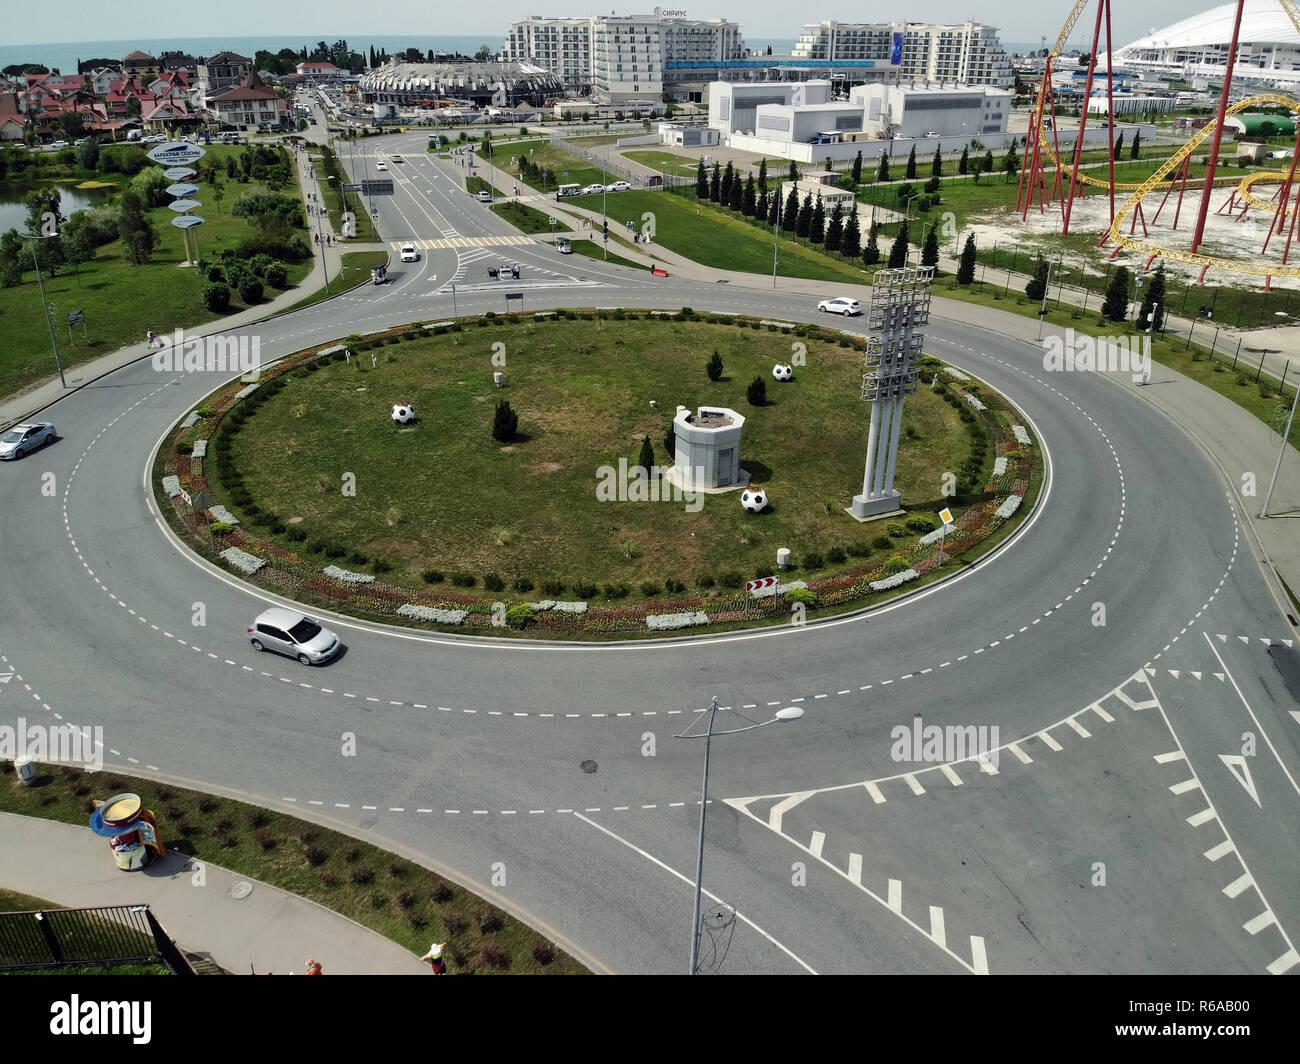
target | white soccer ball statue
x=783, y=373
x=753, y=500
x=403, y=413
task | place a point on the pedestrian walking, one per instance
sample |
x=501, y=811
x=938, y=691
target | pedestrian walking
x=313, y=967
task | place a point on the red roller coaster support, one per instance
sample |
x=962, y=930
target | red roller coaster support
x=1295, y=213
x=1282, y=195
x=1213, y=160
x=1102, y=7
x=1187, y=166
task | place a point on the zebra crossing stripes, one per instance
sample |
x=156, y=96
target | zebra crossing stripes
x=456, y=242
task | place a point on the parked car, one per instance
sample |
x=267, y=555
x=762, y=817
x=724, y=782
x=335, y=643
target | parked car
x=931, y=135
x=23, y=439
x=59, y=144
x=840, y=305
x=592, y=190
x=484, y=196
x=619, y=186
x=409, y=253
x=293, y=634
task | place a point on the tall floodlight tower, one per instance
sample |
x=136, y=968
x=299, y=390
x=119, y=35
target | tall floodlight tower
x=900, y=301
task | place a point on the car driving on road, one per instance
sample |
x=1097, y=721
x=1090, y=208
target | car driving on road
x=293, y=634
x=381, y=165
x=409, y=254
x=840, y=305
x=484, y=196
x=23, y=439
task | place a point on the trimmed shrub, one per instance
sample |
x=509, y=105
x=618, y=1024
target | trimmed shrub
x=432, y=576
x=522, y=584
x=801, y=594
x=521, y=616
x=216, y=297
x=921, y=524
x=674, y=587
x=585, y=591
x=649, y=588
x=836, y=555
x=895, y=529
x=704, y=580
x=553, y=587
x=731, y=578
x=896, y=565
x=813, y=560
x=617, y=591
x=493, y=582
x=463, y=579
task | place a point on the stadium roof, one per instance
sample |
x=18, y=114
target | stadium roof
x=1261, y=21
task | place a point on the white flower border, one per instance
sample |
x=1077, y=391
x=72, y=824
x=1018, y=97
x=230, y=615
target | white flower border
x=1021, y=435
x=347, y=576
x=432, y=613
x=664, y=622
x=242, y=560
x=1009, y=507
x=898, y=579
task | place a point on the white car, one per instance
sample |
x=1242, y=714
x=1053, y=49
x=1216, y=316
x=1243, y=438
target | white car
x=23, y=439
x=619, y=186
x=592, y=190
x=484, y=196
x=932, y=135
x=381, y=165
x=397, y=158
x=840, y=305
x=59, y=144
x=409, y=253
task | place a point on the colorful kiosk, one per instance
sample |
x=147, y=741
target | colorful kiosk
x=130, y=829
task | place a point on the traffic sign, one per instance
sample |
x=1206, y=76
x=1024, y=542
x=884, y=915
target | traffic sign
x=179, y=173
x=76, y=317
x=203, y=500
x=762, y=582
x=182, y=189
x=187, y=221
x=552, y=221
x=182, y=206
x=176, y=153
x=945, y=516
x=186, y=496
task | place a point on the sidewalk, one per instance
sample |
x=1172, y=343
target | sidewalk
x=37, y=397
x=268, y=928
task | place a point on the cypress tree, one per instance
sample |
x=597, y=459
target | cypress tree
x=835, y=228
x=714, y=183
x=737, y=199
x=1037, y=286
x=911, y=164
x=1154, y=298
x=1119, y=146
x=871, y=253
x=988, y=162
x=936, y=164
x=803, y=223
x=762, y=176
x=966, y=267
x=1137, y=144
x=748, y=203
x=774, y=207
x=882, y=171
x=857, y=170
x=793, y=174
x=647, y=459
x=899, y=249
x=852, y=244
x=817, y=225
x=1116, y=306
x=728, y=176
x=790, y=216
x=930, y=249
x=701, y=181
x=963, y=164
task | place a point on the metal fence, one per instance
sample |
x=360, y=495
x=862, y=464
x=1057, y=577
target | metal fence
x=102, y=936
x=636, y=178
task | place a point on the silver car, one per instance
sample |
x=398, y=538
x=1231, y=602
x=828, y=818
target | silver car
x=840, y=305
x=293, y=634
x=23, y=439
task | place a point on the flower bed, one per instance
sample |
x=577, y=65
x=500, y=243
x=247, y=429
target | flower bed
x=667, y=622
x=242, y=560
x=1022, y=437
x=1009, y=507
x=347, y=576
x=432, y=613
x=897, y=580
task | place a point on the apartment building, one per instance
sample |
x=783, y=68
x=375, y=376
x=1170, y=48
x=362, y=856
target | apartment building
x=561, y=45
x=969, y=52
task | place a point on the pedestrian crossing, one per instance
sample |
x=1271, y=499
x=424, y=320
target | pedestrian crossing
x=463, y=242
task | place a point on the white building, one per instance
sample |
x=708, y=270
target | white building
x=1268, y=47
x=967, y=52
x=903, y=111
x=733, y=106
x=619, y=58
x=1128, y=104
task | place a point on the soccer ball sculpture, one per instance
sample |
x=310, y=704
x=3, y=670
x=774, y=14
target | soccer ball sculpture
x=783, y=373
x=754, y=500
x=403, y=413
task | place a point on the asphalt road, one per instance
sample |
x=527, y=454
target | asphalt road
x=1108, y=834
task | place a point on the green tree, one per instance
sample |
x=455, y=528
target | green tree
x=899, y=249
x=790, y=216
x=963, y=164
x=1153, y=299
x=1011, y=161
x=715, y=184
x=11, y=259
x=701, y=180
x=793, y=173
x=851, y=247
x=218, y=192
x=756, y=393
x=762, y=176
x=774, y=207
x=714, y=367
x=88, y=154
x=966, y=266
x=136, y=231
x=910, y=173
x=505, y=422
x=737, y=199
x=857, y=171
x=988, y=162
x=817, y=224
x=803, y=223
x=483, y=54
x=1137, y=144
x=936, y=164
x=835, y=228
x=1036, y=288
x=1119, y=146
x=749, y=199
x=977, y=168
x=882, y=171
x=647, y=459
x=728, y=176
x=871, y=253
x=930, y=249
x=1115, y=307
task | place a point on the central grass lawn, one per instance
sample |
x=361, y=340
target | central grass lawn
x=666, y=161
x=443, y=494
x=594, y=249
x=474, y=185
x=717, y=238
x=527, y=219
x=122, y=302
x=568, y=168
x=356, y=269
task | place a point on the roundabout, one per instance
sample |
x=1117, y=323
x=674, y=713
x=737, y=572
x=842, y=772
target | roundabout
x=558, y=763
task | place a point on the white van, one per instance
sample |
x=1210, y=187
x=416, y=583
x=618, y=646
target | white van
x=134, y=134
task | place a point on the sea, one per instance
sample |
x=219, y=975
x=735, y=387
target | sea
x=64, y=57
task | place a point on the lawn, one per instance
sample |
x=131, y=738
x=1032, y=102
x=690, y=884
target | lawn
x=667, y=162
x=527, y=219
x=594, y=249
x=388, y=894
x=356, y=269
x=443, y=494
x=122, y=302
x=713, y=237
x=13, y=902
x=568, y=169
x=475, y=185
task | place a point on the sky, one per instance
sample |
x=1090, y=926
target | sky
x=91, y=20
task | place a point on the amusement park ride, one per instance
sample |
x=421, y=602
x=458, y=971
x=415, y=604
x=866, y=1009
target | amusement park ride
x=1044, y=177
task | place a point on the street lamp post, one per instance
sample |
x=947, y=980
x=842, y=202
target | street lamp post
x=323, y=262
x=48, y=320
x=776, y=243
x=1047, y=287
x=781, y=716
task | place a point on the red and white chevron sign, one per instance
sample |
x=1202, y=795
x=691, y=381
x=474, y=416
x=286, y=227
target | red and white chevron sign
x=766, y=581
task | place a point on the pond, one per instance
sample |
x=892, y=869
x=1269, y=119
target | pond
x=13, y=215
